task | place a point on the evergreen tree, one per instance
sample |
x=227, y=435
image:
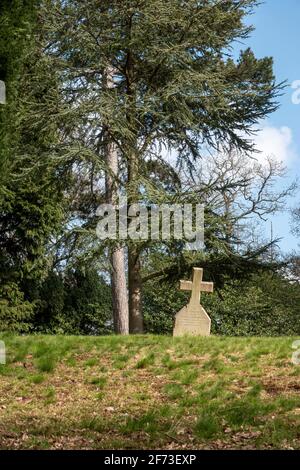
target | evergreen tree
x=75, y=302
x=30, y=196
x=176, y=86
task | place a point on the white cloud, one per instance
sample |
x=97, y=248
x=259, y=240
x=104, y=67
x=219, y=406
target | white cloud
x=276, y=142
x=271, y=141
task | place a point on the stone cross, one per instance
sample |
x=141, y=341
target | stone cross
x=193, y=319
x=197, y=286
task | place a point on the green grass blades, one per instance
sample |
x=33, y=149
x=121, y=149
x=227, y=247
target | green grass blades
x=149, y=392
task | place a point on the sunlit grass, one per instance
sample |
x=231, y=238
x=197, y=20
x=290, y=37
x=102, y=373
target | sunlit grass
x=149, y=392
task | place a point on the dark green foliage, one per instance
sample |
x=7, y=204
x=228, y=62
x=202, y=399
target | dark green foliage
x=30, y=214
x=88, y=303
x=268, y=305
x=265, y=305
x=15, y=313
x=161, y=302
x=75, y=303
x=17, y=17
x=30, y=197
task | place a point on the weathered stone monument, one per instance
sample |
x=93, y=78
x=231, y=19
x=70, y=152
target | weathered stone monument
x=2, y=92
x=193, y=319
x=2, y=353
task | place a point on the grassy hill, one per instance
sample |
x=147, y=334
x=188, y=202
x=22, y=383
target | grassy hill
x=149, y=392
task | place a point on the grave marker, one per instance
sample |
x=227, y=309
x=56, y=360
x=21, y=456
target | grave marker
x=193, y=319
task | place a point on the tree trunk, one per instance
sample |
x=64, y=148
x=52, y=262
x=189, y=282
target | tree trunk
x=117, y=257
x=119, y=292
x=136, y=323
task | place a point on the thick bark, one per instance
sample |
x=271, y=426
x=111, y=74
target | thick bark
x=119, y=292
x=117, y=256
x=136, y=323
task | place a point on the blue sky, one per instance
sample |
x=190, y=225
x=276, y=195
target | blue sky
x=277, y=34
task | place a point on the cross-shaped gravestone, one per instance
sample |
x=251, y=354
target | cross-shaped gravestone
x=193, y=319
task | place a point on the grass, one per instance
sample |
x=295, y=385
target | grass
x=60, y=392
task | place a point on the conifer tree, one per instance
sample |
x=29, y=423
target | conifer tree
x=30, y=196
x=177, y=85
